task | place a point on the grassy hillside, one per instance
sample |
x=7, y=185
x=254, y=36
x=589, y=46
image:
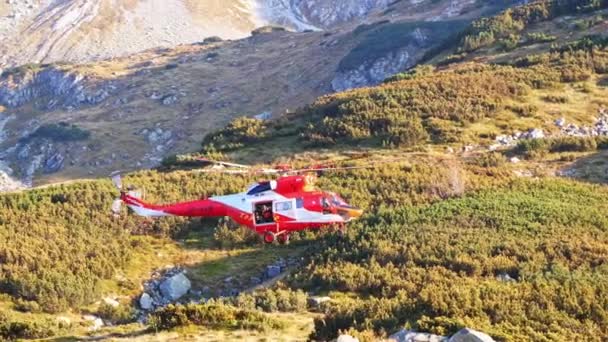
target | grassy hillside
x=466, y=103
x=448, y=239
x=437, y=267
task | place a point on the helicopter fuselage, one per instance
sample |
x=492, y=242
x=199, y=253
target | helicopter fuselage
x=273, y=209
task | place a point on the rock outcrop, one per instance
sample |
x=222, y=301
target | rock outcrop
x=312, y=14
x=375, y=69
x=464, y=335
x=470, y=335
x=57, y=87
x=413, y=336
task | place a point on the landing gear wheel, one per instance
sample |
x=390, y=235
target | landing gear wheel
x=283, y=239
x=269, y=237
x=341, y=231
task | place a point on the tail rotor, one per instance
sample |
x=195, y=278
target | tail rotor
x=117, y=204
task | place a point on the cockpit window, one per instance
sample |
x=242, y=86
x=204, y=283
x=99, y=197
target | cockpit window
x=261, y=187
x=326, y=206
x=338, y=201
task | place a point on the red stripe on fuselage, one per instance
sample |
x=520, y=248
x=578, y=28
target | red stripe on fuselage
x=199, y=208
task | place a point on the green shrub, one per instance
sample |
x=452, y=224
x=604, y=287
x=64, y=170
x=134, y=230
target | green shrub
x=526, y=111
x=572, y=144
x=269, y=300
x=533, y=148
x=418, y=71
x=121, y=314
x=240, y=131
x=435, y=266
x=485, y=32
x=227, y=235
x=268, y=29
x=492, y=159
x=510, y=43
x=602, y=143
x=27, y=306
x=555, y=99
x=539, y=37
x=16, y=330
x=213, y=315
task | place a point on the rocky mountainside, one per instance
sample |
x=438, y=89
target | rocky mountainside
x=43, y=31
x=65, y=120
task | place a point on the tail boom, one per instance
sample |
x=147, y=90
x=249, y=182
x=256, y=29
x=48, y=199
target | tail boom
x=199, y=208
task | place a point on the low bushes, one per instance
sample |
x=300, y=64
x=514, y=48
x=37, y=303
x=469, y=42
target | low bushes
x=438, y=267
x=121, y=314
x=212, y=315
x=535, y=148
x=237, y=133
x=11, y=329
x=269, y=300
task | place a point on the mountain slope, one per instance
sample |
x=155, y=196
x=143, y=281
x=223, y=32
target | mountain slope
x=44, y=31
x=468, y=220
x=130, y=112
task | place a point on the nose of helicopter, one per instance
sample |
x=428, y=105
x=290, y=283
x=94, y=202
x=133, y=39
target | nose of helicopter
x=351, y=213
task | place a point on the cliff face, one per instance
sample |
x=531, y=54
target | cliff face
x=60, y=88
x=321, y=13
x=406, y=44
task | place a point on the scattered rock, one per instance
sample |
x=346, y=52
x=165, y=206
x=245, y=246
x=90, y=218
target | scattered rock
x=62, y=320
x=53, y=163
x=175, y=287
x=111, y=302
x=169, y=99
x=146, y=302
x=316, y=302
x=263, y=116
x=273, y=271
x=413, y=336
x=96, y=322
x=467, y=148
x=255, y=281
x=505, y=277
x=347, y=338
x=536, y=133
x=523, y=173
x=470, y=335
x=514, y=160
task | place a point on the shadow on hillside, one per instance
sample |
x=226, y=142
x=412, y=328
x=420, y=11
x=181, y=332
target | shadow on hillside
x=592, y=168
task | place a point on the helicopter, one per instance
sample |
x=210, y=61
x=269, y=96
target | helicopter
x=273, y=208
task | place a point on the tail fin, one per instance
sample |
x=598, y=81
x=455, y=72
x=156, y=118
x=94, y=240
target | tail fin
x=116, y=179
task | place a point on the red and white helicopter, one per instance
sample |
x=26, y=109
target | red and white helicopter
x=273, y=209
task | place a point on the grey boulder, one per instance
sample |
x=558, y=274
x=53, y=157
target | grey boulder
x=175, y=287
x=470, y=335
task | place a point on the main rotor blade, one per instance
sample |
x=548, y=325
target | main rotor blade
x=224, y=163
x=329, y=169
